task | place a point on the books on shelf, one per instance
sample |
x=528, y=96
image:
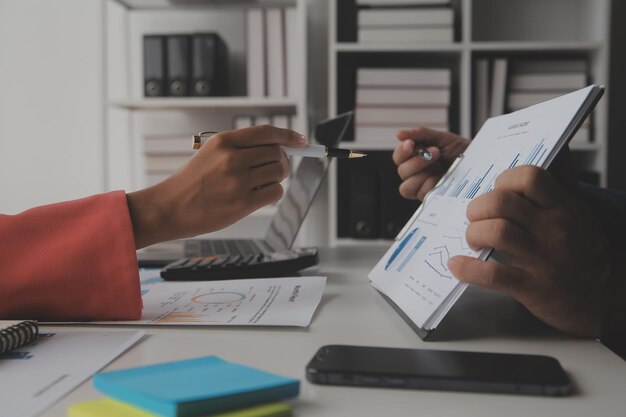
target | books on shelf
x=402, y=77
x=504, y=85
x=273, y=66
x=406, y=35
x=195, y=387
x=498, y=87
x=397, y=96
x=16, y=333
x=393, y=99
x=409, y=17
x=405, y=23
x=402, y=2
x=377, y=116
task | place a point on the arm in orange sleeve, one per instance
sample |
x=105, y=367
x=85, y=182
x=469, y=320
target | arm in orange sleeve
x=70, y=261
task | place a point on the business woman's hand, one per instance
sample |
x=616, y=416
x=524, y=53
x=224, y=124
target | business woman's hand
x=419, y=175
x=233, y=174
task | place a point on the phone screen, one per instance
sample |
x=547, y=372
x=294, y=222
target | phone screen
x=437, y=369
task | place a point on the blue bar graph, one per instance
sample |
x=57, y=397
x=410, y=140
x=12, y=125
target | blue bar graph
x=471, y=193
x=534, y=152
x=515, y=161
x=412, y=253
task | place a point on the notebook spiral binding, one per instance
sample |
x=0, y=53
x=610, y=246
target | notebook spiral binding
x=17, y=335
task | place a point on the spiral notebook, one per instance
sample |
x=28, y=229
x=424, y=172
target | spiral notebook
x=16, y=333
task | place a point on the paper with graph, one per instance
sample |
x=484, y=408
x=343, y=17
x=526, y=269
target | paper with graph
x=414, y=273
x=242, y=302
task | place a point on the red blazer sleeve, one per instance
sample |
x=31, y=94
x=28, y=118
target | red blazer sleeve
x=70, y=261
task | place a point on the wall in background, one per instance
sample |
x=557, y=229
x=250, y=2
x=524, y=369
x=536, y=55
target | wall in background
x=51, y=66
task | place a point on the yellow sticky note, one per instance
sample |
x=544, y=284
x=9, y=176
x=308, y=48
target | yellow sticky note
x=106, y=407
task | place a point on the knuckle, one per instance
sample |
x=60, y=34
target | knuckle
x=219, y=140
x=500, y=230
x=407, y=191
x=491, y=277
x=265, y=129
x=533, y=175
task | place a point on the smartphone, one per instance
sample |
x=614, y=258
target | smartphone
x=438, y=370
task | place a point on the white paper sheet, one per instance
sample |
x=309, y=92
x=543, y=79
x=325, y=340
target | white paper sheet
x=35, y=376
x=243, y=302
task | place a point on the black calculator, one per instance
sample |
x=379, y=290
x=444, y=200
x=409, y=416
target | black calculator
x=253, y=265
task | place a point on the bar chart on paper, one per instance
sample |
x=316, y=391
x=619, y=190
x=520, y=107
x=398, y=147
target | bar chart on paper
x=471, y=182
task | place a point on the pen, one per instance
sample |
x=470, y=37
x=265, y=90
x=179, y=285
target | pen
x=401, y=246
x=422, y=152
x=310, y=151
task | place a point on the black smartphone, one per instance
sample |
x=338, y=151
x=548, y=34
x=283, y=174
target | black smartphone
x=438, y=370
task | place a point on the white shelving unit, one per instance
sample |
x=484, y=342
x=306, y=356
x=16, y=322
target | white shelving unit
x=131, y=117
x=484, y=28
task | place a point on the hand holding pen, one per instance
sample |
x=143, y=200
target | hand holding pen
x=418, y=172
x=308, y=151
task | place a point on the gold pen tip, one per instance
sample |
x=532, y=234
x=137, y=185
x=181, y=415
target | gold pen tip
x=357, y=154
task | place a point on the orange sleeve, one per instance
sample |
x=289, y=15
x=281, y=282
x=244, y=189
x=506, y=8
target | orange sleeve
x=70, y=261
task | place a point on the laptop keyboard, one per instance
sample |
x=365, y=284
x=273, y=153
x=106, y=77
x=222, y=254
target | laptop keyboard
x=230, y=246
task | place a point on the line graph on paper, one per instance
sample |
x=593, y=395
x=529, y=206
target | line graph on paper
x=437, y=259
x=209, y=305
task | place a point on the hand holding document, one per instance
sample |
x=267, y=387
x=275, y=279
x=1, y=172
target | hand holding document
x=414, y=273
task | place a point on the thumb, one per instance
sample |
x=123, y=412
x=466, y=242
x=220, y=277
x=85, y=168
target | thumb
x=263, y=135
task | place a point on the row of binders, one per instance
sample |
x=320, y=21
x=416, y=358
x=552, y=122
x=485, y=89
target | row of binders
x=505, y=85
x=165, y=153
x=392, y=99
x=272, y=51
x=405, y=21
x=369, y=205
x=184, y=65
x=190, y=388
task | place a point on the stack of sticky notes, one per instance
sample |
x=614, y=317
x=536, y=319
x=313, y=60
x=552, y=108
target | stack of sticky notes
x=207, y=386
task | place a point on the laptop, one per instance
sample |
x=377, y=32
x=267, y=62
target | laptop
x=290, y=214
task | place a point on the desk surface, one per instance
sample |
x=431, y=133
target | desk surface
x=352, y=312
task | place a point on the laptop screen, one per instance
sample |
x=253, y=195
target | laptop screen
x=304, y=184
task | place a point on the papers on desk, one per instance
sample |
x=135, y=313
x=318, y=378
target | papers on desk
x=35, y=376
x=241, y=302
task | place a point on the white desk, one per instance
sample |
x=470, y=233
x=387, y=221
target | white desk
x=352, y=312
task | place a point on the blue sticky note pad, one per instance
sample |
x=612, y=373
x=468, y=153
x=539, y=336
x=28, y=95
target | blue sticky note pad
x=195, y=387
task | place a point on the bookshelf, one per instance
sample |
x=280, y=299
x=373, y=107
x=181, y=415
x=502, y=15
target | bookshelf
x=483, y=29
x=132, y=119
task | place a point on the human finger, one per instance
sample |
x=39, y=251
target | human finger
x=492, y=275
x=262, y=155
x=267, y=174
x=416, y=164
x=417, y=186
x=503, y=236
x=503, y=204
x=408, y=150
x=260, y=135
x=534, y=183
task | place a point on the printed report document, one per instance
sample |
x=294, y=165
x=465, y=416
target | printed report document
x=413, y=275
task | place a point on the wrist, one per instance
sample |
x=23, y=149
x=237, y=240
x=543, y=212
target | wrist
x=148, y=217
